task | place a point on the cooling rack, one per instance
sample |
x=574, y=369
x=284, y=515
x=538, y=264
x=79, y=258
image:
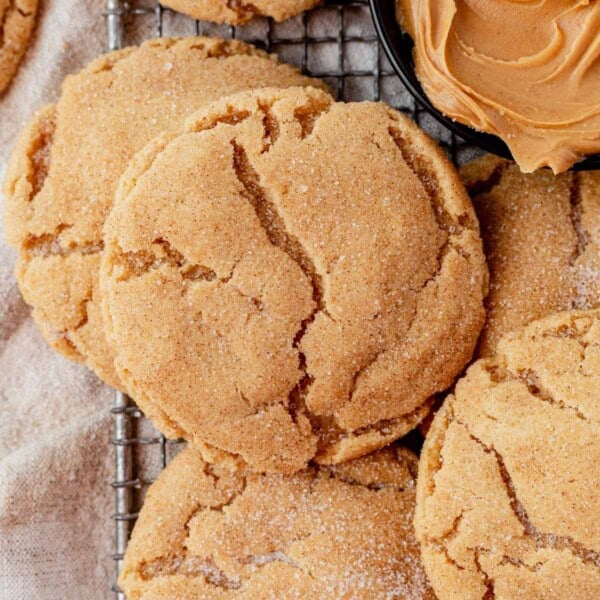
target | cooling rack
x=336, y=42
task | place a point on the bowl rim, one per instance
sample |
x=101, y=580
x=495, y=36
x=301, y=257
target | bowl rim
x=398, y=45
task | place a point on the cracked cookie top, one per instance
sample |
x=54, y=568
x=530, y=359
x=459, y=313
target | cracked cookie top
x=541, y=236
x=509, y=477
x=326, y=532
x=63, y=173
x=17, y=20
x=238, y=12
x=291, y=278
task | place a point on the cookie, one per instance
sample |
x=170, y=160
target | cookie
x=541, y=236
x=289, y=278
x=240, y=12
x=64, y=170
x=17, y=20
x=327, y=532
x=509, y=476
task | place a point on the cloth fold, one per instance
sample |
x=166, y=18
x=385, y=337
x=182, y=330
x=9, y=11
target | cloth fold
x=55, y=506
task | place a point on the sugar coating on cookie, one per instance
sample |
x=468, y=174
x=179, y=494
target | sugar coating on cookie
x=541, y=236
x=289, y=278
x=326, y=532
x=240, y=11
x=17, y=21
x=63, y=173
x=509, y=477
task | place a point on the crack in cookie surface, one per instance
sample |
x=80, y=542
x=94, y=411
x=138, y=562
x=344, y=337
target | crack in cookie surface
x=135, y=263
x=533, y=382
x=275, y=229
x=244, y=10
x=41, y=155
x=272, y=222
x=542, y=540
x=575, y=215
x=49, y=244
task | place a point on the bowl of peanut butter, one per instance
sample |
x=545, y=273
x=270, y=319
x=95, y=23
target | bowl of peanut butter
x=518, y=78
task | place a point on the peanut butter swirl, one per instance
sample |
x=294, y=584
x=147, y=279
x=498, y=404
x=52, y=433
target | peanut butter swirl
x=527, y=71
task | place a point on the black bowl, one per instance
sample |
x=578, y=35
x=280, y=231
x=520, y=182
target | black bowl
x=398, y=47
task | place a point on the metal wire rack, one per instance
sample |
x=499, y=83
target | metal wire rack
x=336, y=42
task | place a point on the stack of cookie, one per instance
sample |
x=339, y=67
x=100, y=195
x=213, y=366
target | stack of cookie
x=288, y=282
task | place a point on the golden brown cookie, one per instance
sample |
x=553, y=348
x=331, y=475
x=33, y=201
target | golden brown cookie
x=206, y=532
x=238, y=12
x=290, y=277
x=509, y=477
x=63, y=173
x=17, y=20
x=541, y=236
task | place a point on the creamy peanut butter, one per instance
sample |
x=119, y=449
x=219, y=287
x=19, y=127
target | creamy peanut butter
x=527, y=71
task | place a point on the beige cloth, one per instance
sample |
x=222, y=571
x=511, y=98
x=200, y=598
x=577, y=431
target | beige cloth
x=55, y=462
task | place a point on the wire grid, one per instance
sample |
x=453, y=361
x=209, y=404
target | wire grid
x=336, y=42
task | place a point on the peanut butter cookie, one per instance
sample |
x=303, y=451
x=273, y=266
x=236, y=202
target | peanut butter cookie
x=327, y=532
x=64, y=171
x=509, y=477
x=289, y=278
x=541, y=236
x=238, y=12
x=17, y=20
